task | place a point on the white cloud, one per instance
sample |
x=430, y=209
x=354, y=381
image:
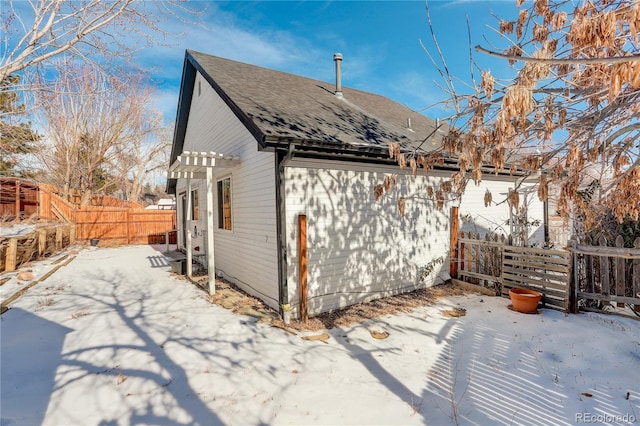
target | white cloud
x=366, y=66
x=166, y=101
x=418, y=89
x=222, y=34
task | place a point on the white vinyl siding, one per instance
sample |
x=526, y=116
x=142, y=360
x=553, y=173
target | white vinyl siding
x=359, y=249
x=495, y=219
x=246, y=254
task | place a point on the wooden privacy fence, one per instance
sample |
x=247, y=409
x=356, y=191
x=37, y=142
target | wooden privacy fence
x=607, y=277
x=42, y=242
x=18, y=198
x=585, y=277
x=117, y=225
x=479, y=261
x=114, y=222
x=497, y=266
x=124, y=226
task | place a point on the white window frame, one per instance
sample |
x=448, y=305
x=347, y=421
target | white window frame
x=219, y=206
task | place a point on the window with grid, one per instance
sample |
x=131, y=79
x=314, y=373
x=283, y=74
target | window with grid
x=224, y=203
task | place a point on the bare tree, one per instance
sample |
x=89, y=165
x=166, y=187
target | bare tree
x=36, y=31
x=36, y=35
x=570, y=114
x=95, y=129
x=144, y=156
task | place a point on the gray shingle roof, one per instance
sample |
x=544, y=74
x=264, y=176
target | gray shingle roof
x=282, y=106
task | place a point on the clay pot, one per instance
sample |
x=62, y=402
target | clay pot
x=525, y=301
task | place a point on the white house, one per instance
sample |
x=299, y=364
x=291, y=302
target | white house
x=163, y=204
x=255, y=149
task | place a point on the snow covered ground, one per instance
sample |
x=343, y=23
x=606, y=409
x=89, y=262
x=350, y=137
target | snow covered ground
x=113, y=338
x=16, y=230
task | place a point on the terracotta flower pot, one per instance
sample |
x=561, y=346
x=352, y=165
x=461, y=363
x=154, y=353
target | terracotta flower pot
x=525, y=301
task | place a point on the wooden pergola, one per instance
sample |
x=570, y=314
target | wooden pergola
x=200, y=165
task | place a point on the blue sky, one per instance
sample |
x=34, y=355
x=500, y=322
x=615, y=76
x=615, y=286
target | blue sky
x=380, y=42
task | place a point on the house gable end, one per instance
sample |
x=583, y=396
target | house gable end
x=284, y=108
x=244, y=118
x=190, y=69
x=182, y=117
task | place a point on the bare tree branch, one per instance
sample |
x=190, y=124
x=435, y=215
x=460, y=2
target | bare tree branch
x=65, y=27
x=570, y=115
x=100, y=132
x=557, y=61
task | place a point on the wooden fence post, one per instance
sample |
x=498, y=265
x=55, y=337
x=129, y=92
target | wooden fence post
x=10, y=256
x=453, y=256
x=72, y=233
x=604, y=271
x=58, y=237
x=166, y=241
x=475, y=258
x=574, y=280
x=303, y=289
x=42, y=241
x=589, y=277
x=128, y=216
x=461, y=255
x=618, y=272
x=17, y=183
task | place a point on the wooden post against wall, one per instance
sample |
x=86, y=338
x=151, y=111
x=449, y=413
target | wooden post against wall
x=453, y=254
x=303, y=289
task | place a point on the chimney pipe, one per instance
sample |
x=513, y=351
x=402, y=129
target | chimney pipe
x=337, y=57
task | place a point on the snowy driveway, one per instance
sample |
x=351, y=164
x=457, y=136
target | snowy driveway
x=113, y=338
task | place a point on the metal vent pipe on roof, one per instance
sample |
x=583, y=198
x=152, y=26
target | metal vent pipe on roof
x=337, y=57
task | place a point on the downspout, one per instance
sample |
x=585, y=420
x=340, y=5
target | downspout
x=283, y=289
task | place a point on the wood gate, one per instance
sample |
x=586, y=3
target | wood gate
x=496, y=266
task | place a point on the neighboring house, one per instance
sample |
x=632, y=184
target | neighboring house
x=163, y=204
x=166, y=204
x=255, y=148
